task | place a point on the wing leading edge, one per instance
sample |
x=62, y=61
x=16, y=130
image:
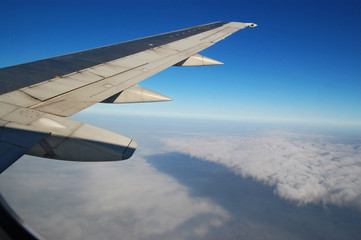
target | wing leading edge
x=36, y=96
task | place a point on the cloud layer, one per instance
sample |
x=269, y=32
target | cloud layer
x=151, y=197
x=302, y=167
x=130, y=200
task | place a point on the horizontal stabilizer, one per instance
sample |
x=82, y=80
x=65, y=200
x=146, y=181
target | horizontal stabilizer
x=197, y=60
x=136, y=94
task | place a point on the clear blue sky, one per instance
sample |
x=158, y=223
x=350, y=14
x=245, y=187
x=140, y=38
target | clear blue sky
x=302, y=63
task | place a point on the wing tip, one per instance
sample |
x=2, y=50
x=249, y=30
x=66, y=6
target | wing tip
x=242, y=25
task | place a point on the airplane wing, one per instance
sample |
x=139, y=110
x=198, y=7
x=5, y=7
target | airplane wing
x=36, y=97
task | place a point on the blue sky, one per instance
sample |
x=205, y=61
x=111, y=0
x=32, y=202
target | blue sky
x=301, y=64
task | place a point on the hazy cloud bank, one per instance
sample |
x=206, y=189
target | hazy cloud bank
x=303, y=168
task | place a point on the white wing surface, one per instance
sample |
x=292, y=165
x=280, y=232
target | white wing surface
x=36, y=97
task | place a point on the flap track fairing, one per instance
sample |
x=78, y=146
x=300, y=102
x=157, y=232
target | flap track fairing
x=197, y=60
x=136, y=94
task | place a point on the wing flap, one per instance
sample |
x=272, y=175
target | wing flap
x=107, y=69
x=58, y=86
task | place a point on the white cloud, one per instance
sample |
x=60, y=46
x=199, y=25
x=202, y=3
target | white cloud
x=303, y=168
x=121, y=200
